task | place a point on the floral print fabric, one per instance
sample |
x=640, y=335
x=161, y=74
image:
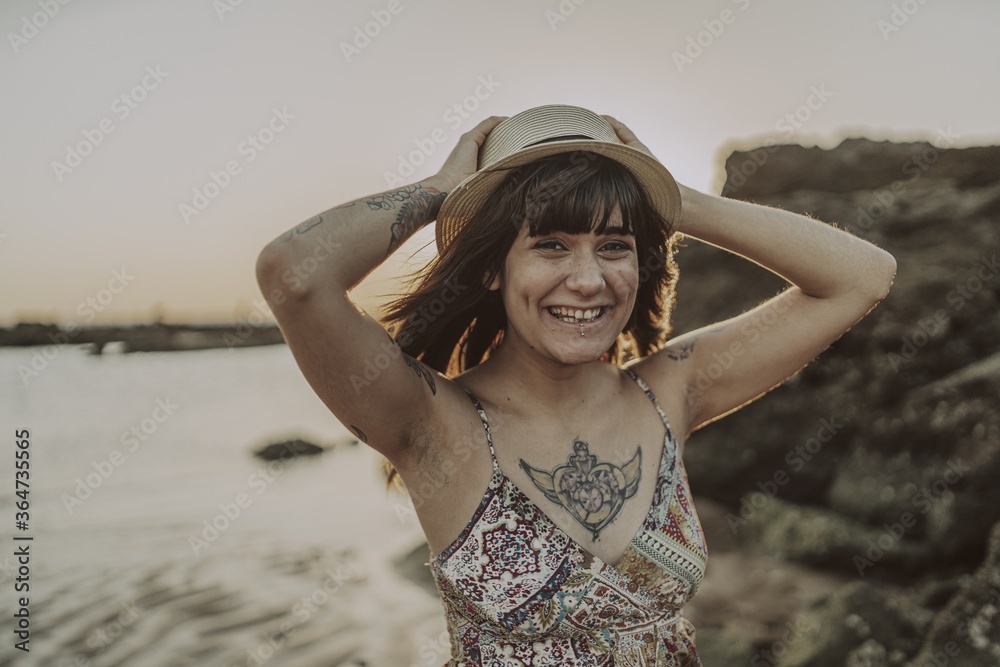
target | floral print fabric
x=518, y=591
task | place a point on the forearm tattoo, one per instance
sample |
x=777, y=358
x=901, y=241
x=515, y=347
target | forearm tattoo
x=417, y=206
x=593, y=493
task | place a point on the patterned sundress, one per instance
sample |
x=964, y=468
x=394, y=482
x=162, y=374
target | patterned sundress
x=517, y=590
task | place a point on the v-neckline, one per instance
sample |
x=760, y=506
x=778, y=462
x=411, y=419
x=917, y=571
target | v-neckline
x=668, y=438
x=522, y=496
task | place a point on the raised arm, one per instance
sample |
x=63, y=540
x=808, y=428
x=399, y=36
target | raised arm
x=348, y=358
x=836, y=279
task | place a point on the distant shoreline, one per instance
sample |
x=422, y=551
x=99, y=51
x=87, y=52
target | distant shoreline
x=155, y=337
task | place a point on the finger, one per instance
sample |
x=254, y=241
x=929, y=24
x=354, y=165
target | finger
x=479, y=132
x=626, y=135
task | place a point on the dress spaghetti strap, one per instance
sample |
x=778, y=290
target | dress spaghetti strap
x=645, y=388
x=486, y=424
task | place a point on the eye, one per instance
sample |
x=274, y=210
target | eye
x=549, y=244
x=617, y=246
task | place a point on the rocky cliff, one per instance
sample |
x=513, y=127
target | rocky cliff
x=881, y=458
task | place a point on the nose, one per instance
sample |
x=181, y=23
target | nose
x=586, y=275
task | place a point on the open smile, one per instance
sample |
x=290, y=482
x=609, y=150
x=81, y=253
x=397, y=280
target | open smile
x=576, y=316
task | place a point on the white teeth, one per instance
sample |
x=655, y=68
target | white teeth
x=575, y=316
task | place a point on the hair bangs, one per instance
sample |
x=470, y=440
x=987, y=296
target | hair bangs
x=579, y=192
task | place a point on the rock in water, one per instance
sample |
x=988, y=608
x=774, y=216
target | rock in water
x=289, y=449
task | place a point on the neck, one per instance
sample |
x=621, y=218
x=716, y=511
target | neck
x=514, y=372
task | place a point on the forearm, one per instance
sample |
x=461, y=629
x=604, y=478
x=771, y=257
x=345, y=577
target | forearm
x=818, y=258
x=339, y=247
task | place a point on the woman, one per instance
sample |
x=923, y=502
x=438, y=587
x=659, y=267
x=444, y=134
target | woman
x=530, y=385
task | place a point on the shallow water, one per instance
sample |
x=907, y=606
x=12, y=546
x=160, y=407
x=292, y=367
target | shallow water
x=118, y=574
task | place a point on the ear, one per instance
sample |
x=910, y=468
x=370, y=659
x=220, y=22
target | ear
x=491, y=282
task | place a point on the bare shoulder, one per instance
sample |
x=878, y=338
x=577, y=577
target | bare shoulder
x=668, y=388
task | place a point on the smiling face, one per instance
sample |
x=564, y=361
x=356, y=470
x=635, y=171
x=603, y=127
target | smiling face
x=567, y=231
x=560, y=284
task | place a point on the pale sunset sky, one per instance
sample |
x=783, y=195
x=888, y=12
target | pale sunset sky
x=116, y=115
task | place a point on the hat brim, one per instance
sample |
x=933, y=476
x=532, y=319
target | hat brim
x=467, y=198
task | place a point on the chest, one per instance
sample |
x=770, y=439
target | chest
x=599, y=500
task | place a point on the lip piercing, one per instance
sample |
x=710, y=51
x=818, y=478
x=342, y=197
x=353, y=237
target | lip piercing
x=581, y=328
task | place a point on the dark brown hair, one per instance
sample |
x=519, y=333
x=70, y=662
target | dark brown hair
x=452, y=322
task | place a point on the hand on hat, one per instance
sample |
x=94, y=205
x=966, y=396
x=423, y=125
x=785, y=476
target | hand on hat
x=629, y=139
x=464, y=158
x=627, y=136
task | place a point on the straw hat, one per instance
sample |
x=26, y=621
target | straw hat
x=518, y=140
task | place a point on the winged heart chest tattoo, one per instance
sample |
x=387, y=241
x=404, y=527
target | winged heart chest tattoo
x=593, y=493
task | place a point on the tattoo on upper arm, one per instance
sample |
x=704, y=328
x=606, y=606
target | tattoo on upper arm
x=593, y=493
x=683, y=352
x=420, y=369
